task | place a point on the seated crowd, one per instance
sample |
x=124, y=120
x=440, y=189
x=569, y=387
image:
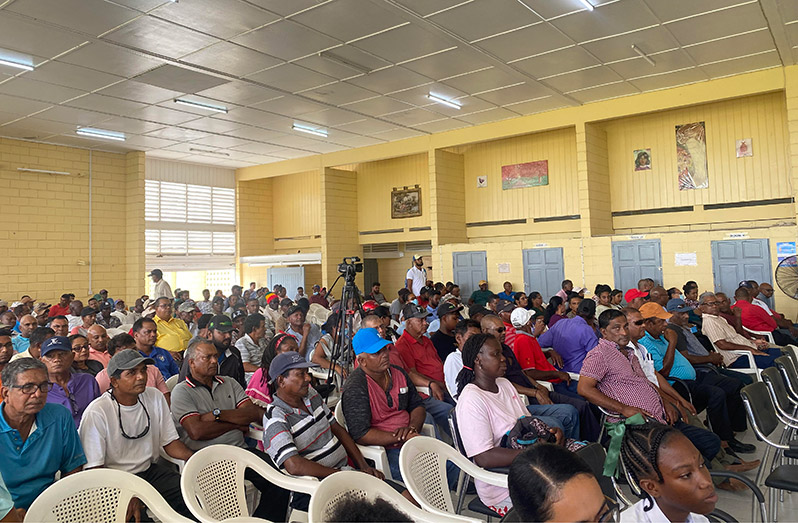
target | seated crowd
x=104, y=385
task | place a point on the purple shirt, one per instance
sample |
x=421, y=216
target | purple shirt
x=572, y=338
x=83, y=390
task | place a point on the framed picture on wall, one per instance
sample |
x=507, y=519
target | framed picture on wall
x=406, y=202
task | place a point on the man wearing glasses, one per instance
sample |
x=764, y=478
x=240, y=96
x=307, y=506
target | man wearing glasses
x=126, y=427
x=73, y=390
x=32, y=457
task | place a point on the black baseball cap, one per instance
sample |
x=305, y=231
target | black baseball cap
x=88, y=311
x=156, y=272
x=286, y=361
x=292, y=309
x=220, y=323
x=478, y=309
x=506, y=306
x=447, y=307
x=411, y=310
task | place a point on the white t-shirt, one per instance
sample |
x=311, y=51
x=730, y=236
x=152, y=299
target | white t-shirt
x=761, y=304
x=488, y=417
x=451, y=368
x=74, y=321
x=162, y=288
x=418, y=277
x=646, y=363
x=636, y=514
x=102, y=439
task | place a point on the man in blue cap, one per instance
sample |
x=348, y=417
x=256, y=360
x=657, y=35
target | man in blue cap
x=73, y=390
x=380, y=402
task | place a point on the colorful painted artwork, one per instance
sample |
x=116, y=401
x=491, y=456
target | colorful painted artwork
x=745, y=148
x=522, y=175
x=691, y=156
x=406, y=203
x=642, y=159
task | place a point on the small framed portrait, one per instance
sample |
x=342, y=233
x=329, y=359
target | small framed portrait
x=642, y=159
x=406, y=202
x=745, y=148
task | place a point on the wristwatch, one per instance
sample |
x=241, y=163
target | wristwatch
x=217, y=413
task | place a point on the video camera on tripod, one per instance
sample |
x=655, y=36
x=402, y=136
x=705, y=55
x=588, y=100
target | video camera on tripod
x=350, y=267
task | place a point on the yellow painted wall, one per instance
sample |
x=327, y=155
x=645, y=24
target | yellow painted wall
x=490, y=203
x=392, y=272
x=45, y=220
x=765, y=175
x=296, y=207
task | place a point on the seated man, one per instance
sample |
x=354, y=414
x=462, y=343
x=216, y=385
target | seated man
x=155, y=379
x=612, y=378
x=97, y=337
x=60, y=325
x=725, y=338
x=530, y=356
x=573, y=338
x=37, y=439
x=27, y=324
x=220, y=330
x=255, y=339
x=73, y=390
x=756, y=318
x=210, y=409
x=173, y=333
x=718, y=394
x=423, y=365
x=448, y=315
x=380, y=403
x=454, y=361
x=306, y=334
x=37, y=338
x=145, y=334
x=126, y=427
x=6, y=347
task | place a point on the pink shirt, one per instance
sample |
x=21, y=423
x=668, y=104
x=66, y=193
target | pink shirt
x=154, y=379
x=384, y=417
x=102, y=357
x=483, y=419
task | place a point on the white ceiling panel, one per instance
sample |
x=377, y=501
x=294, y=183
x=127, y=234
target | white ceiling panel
x=389, y=80
x=353, y=140
x=255, y=133
x=338, y=94
x=215, y=140
x=72, y=76
x=106, y=104
x=742, y=65
x=606, y=20
x=21, y=105
x=336, y=69
x=604, y=92
x=286, y=40
x=260, y=159
x=549, y=9
x=289, y=153
x=212, y=125
x=232, y=59
x=258, y=119
x=652, y=40
x=296, y=140
x=153, y=113
x=290, y=105
x=664, y=81
x=404, y=43
x=338, y=19
x=538, y=106
x=94, y=17
x=491, y=115
x=378, y=105
x=480, y=81
x=525, y=42
x=257, y=148
x=514, y=94
x=418, y=95
x=732, y=47
x=368, y=126
x=204, y=16
x=678, y=9
x=468, y=104
x=285, y=7
x=129, y=125
x=140, y=92
x=477, y=19
x=111, y=59
x=426, y=7
x=240, y=93
x=180, y=79
x=664, y=62
x=73, y=116
x=19, y=34
x=42, y=127
x=439, y=126
x=412, y=117
x=40, y=91
x=582, y=79
x=718, y=24
x=148, y=142
x=447, y=64
x=177, y=134
x=141, y=5
x=291, y=78
x=158, y=36
x=557, y=62
x=330, y=117
x=400, y=133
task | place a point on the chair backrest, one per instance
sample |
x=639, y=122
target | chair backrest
x=787, y=368
x=171, y=383
x=97, y=496
x=454, y=429
x=792, y=352
x=423, y=465
x=339, y=414
x=353, y=484
x=760, y=408
x=594, y=455
x=778, y=392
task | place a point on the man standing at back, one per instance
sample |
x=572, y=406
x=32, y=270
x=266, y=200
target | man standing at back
x=161, y=287
x=416, y=277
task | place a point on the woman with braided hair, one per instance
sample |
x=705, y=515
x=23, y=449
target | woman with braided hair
x=258, y=388
x=672, y=475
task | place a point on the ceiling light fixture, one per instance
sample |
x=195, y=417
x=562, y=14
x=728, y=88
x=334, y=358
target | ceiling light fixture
x=43, y=171
x=310, y=130
x=208, y=151
x=201, y=105
x=340, y=60
x=16, y=65
x=643, y=55
x=100, y=133
x=587, y=4
x=444, y=101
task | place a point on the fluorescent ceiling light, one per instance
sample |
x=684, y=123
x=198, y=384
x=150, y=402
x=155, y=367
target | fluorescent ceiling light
x=340, y=60
x=101, y=133
x=643, y=55
x=444, y=101
x=42, y=171
x=201, y=105
x=587, y=4
x=310, y=130
x=17, y=65
x=208, y=151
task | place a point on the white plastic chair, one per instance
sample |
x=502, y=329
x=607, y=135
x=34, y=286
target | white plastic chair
x=171, y=383
x=98, y=496
x=766, y=334
x=373, y=453
x=422, y=461
x=318, y=314
x=212, y=483
x=751, y=368
x=353, y=484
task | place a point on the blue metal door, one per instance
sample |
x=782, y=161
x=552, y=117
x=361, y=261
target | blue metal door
x=634, y=260
x=544, y=271
x=736, y=260
x=469, y=268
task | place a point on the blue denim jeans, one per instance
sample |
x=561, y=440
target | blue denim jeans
x=562, y=416
x=439, y=410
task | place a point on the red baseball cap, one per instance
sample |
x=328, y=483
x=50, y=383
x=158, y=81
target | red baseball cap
x=632, y=294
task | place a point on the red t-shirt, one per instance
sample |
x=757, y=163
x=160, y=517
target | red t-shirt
x=57, y=310
x=509, y=334
x=384, y=417
x=420, y=355
x=755, y=317
x=530, y=356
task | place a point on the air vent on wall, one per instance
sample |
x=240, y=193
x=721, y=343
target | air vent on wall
x=381, y=247
x=557, y=218
x=418, y=246
x=754, y=203
x=496, y=222
x=661, y=210
x=383, y=231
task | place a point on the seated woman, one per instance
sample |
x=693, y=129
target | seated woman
x=520, y=299
x=549, y=483
x=81, y=362
x=574, y=300
x=489, y=406
x=258, y=387
x=555, y=311
x=671, y=473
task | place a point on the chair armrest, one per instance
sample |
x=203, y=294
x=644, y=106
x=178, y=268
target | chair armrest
x=742, y=479
x=378, y=455
x=767, y=334
x=499, y=470
x=745, y=354
x=179, y=462
x=547, y=385
x=423, y=390
x=574, y=376
x=306, y=484
x=494, y=478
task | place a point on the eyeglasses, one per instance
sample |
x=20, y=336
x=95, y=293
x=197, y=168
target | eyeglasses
x=500, y=329
x=711, y=303
x=30, y=388
x=119, y=414
x=609, y=511
x=639, y=322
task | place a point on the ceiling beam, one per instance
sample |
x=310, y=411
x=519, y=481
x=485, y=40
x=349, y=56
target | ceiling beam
x=776, y=25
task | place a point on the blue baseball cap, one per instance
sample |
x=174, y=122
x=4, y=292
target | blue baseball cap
x=678, y=305
x=56, y=343
x=368, y=341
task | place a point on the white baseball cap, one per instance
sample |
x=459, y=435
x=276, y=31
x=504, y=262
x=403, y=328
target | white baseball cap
x=521, y=317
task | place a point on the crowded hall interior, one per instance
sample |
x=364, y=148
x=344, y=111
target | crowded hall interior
x=399, y=260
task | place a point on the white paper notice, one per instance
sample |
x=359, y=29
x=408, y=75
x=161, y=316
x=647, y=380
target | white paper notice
x=504, y=268
x=686, y=258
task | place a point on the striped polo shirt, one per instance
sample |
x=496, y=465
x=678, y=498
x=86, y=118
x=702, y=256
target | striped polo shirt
x=289, y=432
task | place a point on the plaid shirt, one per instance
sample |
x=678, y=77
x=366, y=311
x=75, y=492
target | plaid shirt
x=621, y=378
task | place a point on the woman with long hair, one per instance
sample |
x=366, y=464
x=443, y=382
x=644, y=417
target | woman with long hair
x=258, y=387
x=555, y=311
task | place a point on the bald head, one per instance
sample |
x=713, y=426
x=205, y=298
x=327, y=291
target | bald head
x=26, y=325
x=659, y=295
x=98, y=338
x=493, y=325
x=742, y=294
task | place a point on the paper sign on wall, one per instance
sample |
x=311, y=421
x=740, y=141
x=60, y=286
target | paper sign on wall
x=785, y=250
x=686, y=258
x=482, y=181
x=504, y=268
x=736, y=235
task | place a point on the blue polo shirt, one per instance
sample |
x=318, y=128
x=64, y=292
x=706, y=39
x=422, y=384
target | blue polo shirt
x=681, y=368
x=20, y=344
x=164, y=361
x=509, y=297
x=29, y=467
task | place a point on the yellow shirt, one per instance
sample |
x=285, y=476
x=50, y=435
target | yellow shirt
x=173, y=335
